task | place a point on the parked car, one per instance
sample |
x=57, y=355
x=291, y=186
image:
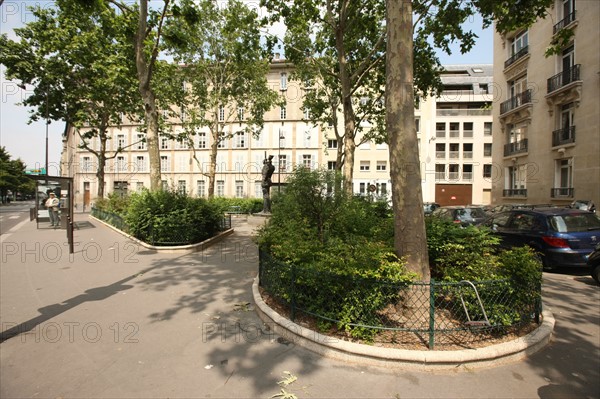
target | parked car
x=429, y=207
x=594, y=264
x=562, y=236
x=465, y=215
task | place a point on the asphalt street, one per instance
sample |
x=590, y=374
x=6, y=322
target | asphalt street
x=115, y=320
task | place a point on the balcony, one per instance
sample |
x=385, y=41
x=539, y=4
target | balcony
x=517, y=147
x=563, y=136
x=467, y=154
x=563, y=192
x=564, y=78
x=518, y=55
x=454, y=155
x=454, y=133
x=463, y=112
x=440, y=134
x=566, y=21
x=440, y=154
x=515, y=192
x=516, y=101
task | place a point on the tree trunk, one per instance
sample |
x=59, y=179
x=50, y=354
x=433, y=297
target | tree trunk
x=409, y=221
x=101, y=164
x=212, y=161
x=144, y=71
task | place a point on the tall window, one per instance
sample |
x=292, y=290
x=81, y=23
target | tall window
x=519, y=42
x=181, y=187
x=487, y=149
x=240, y=113
x=164, y=143
x=517, y=86
x=567, y=9
x=141, y=141
x=487, y=171
x=282, y=112
x=220, y=188
x=331, y=165
x=121, y=142
x=487, y=128
x=165, y=165
x=568, y=61
x=283, y=81
x=86, y=164
x=140, y=163
x=200, y=188
x=201, y=140
x=240, y=140
x=239, y=188
x=221, y=113
x=282, y=163
x=564, y=175
x=332, y=144
x=307, y=161
x=121, y=165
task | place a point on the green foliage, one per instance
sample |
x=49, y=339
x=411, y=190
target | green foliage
x=247, y=205
x=13, y=177
x=115, y=203
x=169, y=218
x=339, y=249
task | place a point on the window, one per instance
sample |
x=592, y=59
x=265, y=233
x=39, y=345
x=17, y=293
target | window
x=468, y=150
x=282, y=112
x=517, y=86
x=181, y=187
x=239, y=188
x=281, y=137
x=200, y=188
x=487, y=171
x=282, y=163
x=164, y=185
x=140, y=163
x=221, y=113
x=365, y=166
x=454, y=129
x=381, y=188
x=222, y=142
x=86, y=164
x=121, y=142
x=331, y=165
x=121, y=165
x=453, y=150
x=568, y=61
x=520, y=42
x=362, y=188
x=487, y=128
x=381, y=166
x=139, y=186
x=201, y=140
x=283, y=81
x=258, y=189
x=164, y=143
x=487, y=149
x=141, y=141
x=306, y=114
x=453, y=171
x=440, y=129
x=467, y=129
x=165, y=165
x=418, y=125
x=307, y=161
x=240, y=113
x=564, y=176
x=440, y=171
x=240, y=140
x=440, y=150
x=220, y=188
x=332, y=144
x=467, y=171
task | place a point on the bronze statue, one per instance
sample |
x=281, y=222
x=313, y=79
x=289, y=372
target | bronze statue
x=267, y=172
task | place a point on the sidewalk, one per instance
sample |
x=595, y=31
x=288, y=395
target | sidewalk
x=116, y=320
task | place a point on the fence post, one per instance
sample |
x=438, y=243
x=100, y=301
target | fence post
x=431, y=313
x=293, y=293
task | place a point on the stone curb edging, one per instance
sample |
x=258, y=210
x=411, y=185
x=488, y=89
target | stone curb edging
x=181, y=249
x=403, y=358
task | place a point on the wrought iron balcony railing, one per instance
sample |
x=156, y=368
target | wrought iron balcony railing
x=562, y=192
x=564, y=22
x=516, y=101
x=516, y=56
x=515, y=148
x=563, y=136
x=564, y=78
x=515, y=192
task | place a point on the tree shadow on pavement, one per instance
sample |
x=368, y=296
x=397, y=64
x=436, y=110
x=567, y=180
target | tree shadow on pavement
x=571, y=363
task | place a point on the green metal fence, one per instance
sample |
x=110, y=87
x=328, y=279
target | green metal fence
x=174, y=237
x=435, y=314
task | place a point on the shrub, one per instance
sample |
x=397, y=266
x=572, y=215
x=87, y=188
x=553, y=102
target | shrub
x=168, y=218
x=115, y=203
x=247, y=205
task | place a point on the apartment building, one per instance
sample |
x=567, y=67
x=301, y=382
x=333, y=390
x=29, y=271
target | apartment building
x=455, y=143
x=547, y=122
x=454, y=135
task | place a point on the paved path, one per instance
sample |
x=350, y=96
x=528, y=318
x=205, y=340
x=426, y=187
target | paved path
x=117, y=321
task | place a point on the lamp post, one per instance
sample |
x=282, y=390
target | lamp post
x=281, y=137
x=47, y=123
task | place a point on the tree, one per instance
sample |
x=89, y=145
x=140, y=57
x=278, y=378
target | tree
x=442, y=21
x=13, y=177
x=337, y=47
x=225, y=69
x=80, y=64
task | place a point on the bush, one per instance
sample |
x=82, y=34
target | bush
x=169, y=218
x=247, y=205
x=115, y=203
x=327, y=240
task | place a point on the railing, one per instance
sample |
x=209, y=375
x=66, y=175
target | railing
x=563, y=136
x=514, y=192
x=562, y=192
x=424, y=314
x=467, y=154
x=564, y=78
x=454, y=133
x=453, y=154
x=440, y=133
x=564, y=22
x=519, y=54
x=440, y=154
x=516, y=147
x=467, y=133
x=463, y=112
x=516, y=101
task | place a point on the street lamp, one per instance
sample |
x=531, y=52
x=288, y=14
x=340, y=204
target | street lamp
x=281, y=137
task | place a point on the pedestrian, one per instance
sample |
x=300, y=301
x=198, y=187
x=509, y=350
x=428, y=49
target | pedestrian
x=52, y=205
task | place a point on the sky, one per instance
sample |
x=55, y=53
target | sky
x=27, y=141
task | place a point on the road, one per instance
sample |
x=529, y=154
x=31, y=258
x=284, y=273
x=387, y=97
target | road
x=13, y=214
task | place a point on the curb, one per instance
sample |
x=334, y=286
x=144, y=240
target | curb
x=176, y=249
x=392, y=358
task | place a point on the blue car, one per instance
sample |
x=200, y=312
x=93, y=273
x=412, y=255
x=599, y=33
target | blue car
x=563, y=237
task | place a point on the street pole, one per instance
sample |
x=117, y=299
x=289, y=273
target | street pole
x=47, y=123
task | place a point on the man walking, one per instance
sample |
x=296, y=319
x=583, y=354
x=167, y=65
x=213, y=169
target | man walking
x=52, y=205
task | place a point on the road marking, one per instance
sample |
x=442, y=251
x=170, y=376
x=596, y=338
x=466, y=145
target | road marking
x=13, y=229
